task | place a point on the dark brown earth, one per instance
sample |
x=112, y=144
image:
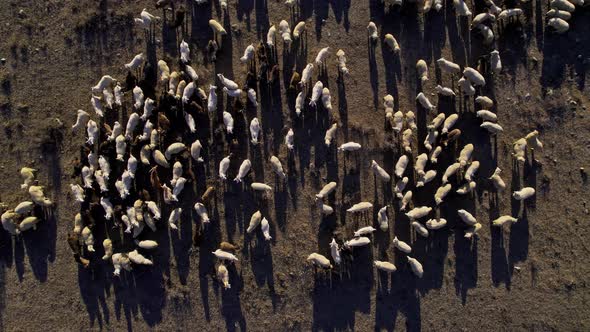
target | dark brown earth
x=529, y=276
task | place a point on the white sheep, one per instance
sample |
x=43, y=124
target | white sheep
x=160, y=159
x=448, y=66
x=418, y=212
x=349, y=147
x=471, y=231
x=425, y=102
x=327, y=99
x=163, y=71
x=474, y=76
x=341, y=56
x=135, y=62
x=132, y=123
x=532, y=140
x=326, y=190
x=360, y=207
x=497, y=180
x=419, y=228
x=116, y=131
x=471, y=170
x=367, y=230
x=430, y=139
x=498, y=222
x=434, y=224
x=258, y=186
x=461, y=8
x=559, y=25
x=92, y=131
x=319, y=260
x=524, y=193
x=400, y=166
x=406, y=199
x=401, y=245
x=78, y=192
x=487, y=115
x=271, y=36
x=248, y=54
x=435, y=153
x=465, y=154
x=484, y=102
x=411, y=120
x=492, y=128
x=422, y=70
x=466, y=87
x=330, y=134
x=316, y=93
x=450, y=171
x=467, y=217
x=228, y=121
x=399, y=187
x=322, y=55
x=449, y=123
x=265, y=227
x=285, y=32
x=385, y=266
x=87, y=238
x=196, y=148
x=223, y=167
x=380, y=172
x=447, y=92
x=415, y=265
x=507, y=13
x=392, y=43
x=229, y=84
x=217, y=27
x=382, y=219
x=225, y=256
x=244, y=169
x=252, y=97
x=372, y=31
x=466, y=188
x=82, y=118
x=255, y=130
x=441, y=193
x=290, y=139
x=174, y=217
x=420, y=164
x=223, y=275
x=306, y=74
x=357, y=242
x=495, y=62
x=185, y=52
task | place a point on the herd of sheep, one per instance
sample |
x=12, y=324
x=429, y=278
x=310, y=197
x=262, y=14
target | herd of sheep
x=134, y=169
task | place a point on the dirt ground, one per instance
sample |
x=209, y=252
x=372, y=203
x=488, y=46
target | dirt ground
x=532, y=275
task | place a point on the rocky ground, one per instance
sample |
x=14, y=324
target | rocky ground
x=530, y=276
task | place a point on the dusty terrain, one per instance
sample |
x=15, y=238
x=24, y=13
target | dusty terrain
x=530, y=276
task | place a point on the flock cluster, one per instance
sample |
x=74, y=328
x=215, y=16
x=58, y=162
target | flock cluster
x=132, y=170
x=27, y=214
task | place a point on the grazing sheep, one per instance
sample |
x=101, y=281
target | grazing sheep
x=524, y=193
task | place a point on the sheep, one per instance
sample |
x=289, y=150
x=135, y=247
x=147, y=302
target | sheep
x=379, y=172
x=487, y=115
x=233, y=93
x=176, y=172
x=450, y=171
x=400, y=186
x=495, y=62
x=466, y=188
x=173, y=83
x=438, y=4
x=497, y=180
x=137, y=258
x=349, y=147
x=8, y=222
x=449, y=122
x=400, y=166
x=82, y=118
x=532, y=140
x=483, y=18
x=330, y=135
x=271, y=36
x=519, y=148
x=248, y=54
x=435, y=153
x=507, y=13
x=257, y=186
x=411, y=120
x=319, y=260
x=196, y=148
x=524, y=193
x=174, y=217
x=434, y=224
x=24, y=207
x=184, y=52
x=448, y=66
x=368, y=230
x=461, y=8
x=388, y=101
x=341, y=56
x=290, y=139
x=229, y=84
x=392, y=43
x=326, y=209
x=88, y=239
x=558, y=24
x=427, y=177
x=474, y=76
x=299, y=103
x=425, y=102
x=178, y=187
x=373, y=32
x=427, y=6
x=244, y=169
x=471, y=170
x=416, y=266
x=322, y=56
x=38, y=196
x=254, y=222
x=132, y=123
x=306, y=75
x=401, y=245
x=385, y=266
x=255, y=130
x=465, y=154
x=160, y=159
x=174, y=148
x=360, y=207
x=422, y=70
x=484, y=102
x=562, y=14
x=316, y=93
x=357, y=242
x=430, y=139
x=97, y=106
x=441, y=193
x=252, y=97
x=87, y=177
x=228, y=121
x=418, y=212
x=421, y=161
x=466, y=87
x=382, y=218
x=562, y=5
x=116, y=131
x=107, y=244
x=447, y=92
x=471, y=231
x=144, y=154
x=223, y=275
x=327, y=99
x=467, y=217
x=118, y=91
x=285, y=32
x=108, y=97
x=28, y=176
x=406, y=199
x=188, y=91
x=326, y=190
x=147, y=131
x=135, y=62
x=217, y=28
x=419, y=228
x=492, y=128
x=92, y=131
x=78, y=193
x=398, y=121
x=225, y=256
x=499, y=222
x=163, y=71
